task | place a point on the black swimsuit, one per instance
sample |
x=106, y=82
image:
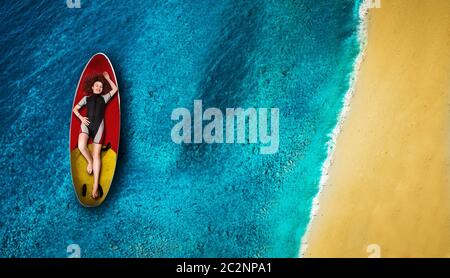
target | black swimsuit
x=95, y=105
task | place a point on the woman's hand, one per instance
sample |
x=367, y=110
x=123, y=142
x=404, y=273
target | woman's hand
x=85, y=120
x=111, y=83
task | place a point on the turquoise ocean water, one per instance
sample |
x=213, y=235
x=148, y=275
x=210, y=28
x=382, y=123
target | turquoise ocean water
x=168, y=200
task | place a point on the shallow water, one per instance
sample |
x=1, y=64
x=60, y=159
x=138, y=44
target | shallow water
x=170, y=200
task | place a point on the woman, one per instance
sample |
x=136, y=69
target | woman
x=93, y=125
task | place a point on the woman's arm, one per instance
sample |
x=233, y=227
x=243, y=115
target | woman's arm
x=84, y=120
x=111, y=83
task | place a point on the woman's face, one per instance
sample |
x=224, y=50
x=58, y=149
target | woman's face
x=97, y=88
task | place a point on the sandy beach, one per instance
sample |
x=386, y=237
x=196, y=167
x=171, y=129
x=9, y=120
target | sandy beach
x=388, y=192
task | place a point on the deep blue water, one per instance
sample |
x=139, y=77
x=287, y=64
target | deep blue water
x=169, y=200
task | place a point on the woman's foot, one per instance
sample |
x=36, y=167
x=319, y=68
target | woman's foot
x=89, y=168
x=97, y=193
x=94, y=195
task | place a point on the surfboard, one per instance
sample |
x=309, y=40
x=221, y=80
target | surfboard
x=98, y=64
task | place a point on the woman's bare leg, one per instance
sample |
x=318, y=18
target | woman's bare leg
x=82, y=146
x=96, y=154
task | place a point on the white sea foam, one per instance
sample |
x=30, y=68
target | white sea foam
x=362, y=38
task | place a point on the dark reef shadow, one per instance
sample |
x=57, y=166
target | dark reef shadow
x=225, y=70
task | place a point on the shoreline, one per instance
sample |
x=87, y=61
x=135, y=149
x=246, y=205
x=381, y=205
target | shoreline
x=384, y=185
x=331, y=143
